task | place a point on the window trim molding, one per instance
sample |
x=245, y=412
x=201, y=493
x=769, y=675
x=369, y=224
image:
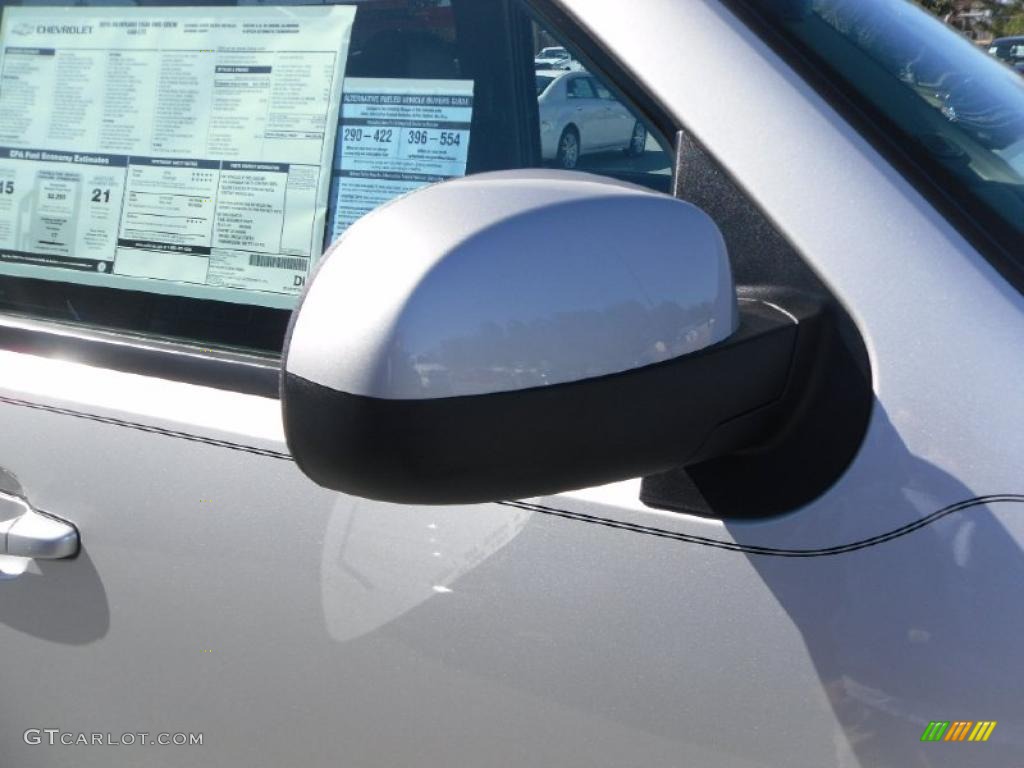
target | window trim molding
x=126, y=352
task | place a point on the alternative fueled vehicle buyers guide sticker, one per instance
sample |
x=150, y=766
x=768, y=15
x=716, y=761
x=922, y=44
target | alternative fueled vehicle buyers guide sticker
x=170, y=147
x=397, y=135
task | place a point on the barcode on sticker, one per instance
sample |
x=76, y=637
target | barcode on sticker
x=277, y=262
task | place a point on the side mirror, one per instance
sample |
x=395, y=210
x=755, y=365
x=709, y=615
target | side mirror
x=522, y=333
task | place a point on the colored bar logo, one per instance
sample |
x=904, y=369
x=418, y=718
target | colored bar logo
x=958, y=730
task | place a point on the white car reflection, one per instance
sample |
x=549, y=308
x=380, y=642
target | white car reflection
x=579, y=116
x=554, y=57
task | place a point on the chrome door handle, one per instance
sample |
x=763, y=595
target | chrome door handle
x=34, y=534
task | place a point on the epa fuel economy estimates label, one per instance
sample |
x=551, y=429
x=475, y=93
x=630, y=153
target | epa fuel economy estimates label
x=185, y=146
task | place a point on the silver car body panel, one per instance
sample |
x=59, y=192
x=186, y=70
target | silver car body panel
x=219, y=591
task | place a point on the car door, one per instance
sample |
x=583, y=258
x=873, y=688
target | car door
x=218, y=598
x=223, y=609
x=585, y=112
x=619, y=122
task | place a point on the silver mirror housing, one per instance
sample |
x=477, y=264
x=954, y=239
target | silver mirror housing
x=506, y=281
x=514, y=334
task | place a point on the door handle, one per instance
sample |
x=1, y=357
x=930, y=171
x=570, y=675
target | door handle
x=34, y=534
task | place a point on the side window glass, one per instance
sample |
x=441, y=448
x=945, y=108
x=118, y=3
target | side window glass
x=605, y=137
x=178, y=171
x=580, y=88
x=602, y=92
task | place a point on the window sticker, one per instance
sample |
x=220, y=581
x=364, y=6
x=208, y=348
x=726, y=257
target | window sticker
x=184, y=151
x=397, y=135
